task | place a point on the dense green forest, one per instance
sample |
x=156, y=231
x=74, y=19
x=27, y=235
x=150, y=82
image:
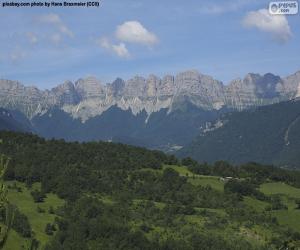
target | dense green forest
x=101, y=195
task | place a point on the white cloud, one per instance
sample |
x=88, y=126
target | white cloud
x=135, y=32
x=32, y=38
x=128, y=32
x=276, y=25
x=56, y=21
x=118, y=49
x=121, y=50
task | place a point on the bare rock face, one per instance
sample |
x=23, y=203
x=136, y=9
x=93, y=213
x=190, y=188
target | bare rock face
x=116, y=89
x=29, y=100
x=89, y=97
x=153, y=83
x=203, y=90
x=66, y=94
x=167, y=86
x=291, y=86
x=135, y=87
x=90, y=88
x=255, y=90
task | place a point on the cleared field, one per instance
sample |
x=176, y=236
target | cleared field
x=212, y=181
x=182, y=170
x=38, y=221
x=280, y=188
x=195, y=179
x=290, y=217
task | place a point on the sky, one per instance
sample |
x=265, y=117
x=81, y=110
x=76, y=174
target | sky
x=122, y=38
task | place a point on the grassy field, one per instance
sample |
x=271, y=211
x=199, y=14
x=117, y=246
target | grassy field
x=15, y=241
x=182, y=170
x=288, y=194
x=38, y=221
x=280, y=188
x=194, y=179
x=201, y=180
x=212, y=181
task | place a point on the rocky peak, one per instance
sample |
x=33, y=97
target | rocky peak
x=187, y=82
x=89, y=87
x=136, y=87
x=166, y=86
x=153, y=82
x=266, y=86
x=66, y=93
x=291, y=85
x=67, y=86
x=117, y=87
x=88, y=97
x=8, y=85
x=192, y=82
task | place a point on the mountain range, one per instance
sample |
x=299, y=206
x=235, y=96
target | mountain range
x=164, y=113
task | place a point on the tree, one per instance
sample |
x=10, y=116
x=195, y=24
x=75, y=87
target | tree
x=38, y=196
x=298, y=203
x=49, y=229
x=5, y=207
x=21, y=224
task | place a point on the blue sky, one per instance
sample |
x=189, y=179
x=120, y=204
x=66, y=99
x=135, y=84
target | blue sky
x=123, y=38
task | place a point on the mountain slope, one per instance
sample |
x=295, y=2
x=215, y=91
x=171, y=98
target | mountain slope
x=160, y=130
x=9, y=122
x=269, y=135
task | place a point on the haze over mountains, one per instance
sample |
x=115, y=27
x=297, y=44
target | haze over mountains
x=158, y=113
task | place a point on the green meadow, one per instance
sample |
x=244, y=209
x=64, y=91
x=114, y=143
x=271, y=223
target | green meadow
x=288, y=195
x=38, y=221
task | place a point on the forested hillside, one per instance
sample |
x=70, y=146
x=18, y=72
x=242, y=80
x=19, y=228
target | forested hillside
x=268, y=135
x=113, y=196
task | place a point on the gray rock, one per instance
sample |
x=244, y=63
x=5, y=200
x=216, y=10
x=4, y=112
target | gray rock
x=89, y=97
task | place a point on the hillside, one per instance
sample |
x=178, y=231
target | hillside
x=161, y=131
x=112, y=196
x=269, y=135
x=13, y=121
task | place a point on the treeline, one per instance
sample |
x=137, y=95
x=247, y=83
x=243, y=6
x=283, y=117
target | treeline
x=71, y=168
x=255, y=172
